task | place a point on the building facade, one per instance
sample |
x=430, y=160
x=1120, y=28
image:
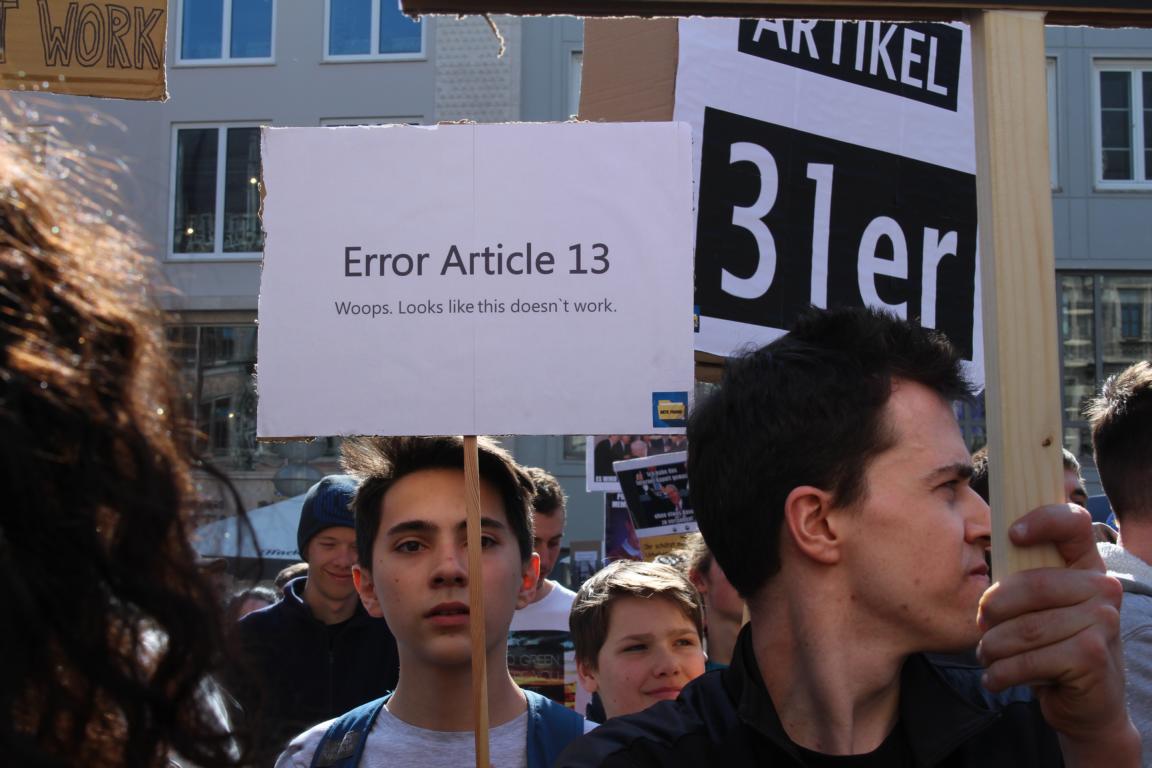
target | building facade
x=192, y=170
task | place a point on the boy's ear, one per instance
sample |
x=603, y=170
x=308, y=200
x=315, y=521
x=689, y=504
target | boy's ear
x=529, y=579
x=362, y=580
x=811, y=524
x=587, y=677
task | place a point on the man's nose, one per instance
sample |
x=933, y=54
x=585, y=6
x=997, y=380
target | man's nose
x=452, y=567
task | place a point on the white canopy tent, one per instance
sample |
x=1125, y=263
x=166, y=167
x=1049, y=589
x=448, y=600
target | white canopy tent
x=275, y=526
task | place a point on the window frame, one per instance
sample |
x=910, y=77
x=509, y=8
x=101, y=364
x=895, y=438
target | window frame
x=218, y=254
x=373, y=41
x=1134, y=66
x=225, y=60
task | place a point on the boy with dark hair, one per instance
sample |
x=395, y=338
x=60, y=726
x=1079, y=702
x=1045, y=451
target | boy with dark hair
x=1121, y=419
x=638, y=629
x=413, y=570
x=831, y=484
x=540, y=654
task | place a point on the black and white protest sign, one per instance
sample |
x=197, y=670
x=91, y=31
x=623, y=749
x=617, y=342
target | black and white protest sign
x=836, y=167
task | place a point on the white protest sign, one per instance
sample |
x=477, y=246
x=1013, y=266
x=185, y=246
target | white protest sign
x=476, y=279
x=836, y=167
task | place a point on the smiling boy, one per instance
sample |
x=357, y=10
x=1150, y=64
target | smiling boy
x=638, y=629
x=413, y=570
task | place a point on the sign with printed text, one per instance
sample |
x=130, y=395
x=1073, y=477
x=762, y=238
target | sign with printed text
x=836, y=168
x=475, y=279
x=114, y=50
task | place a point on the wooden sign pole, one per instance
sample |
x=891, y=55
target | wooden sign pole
x=1014, y=203
x=476, y=602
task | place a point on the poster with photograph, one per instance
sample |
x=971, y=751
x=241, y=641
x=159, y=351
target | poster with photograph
x=655, y=488
x=620, y=541
x=603, y=450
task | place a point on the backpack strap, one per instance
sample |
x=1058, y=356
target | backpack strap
x=551, y=727
x=343, y=743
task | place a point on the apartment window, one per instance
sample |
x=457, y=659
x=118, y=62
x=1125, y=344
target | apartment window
x=1124, y=123
x=215, y=365
x=371, y=29
x=1103, y=330
x=232, y=31
x=216, y=196
x=575, y=74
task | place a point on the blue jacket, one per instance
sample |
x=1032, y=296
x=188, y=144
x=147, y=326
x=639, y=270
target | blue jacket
x=304, y=672
x=551, y=727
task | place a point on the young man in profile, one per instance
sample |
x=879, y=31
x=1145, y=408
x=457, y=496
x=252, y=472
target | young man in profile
x=1121, y=419
x=413, y=570
x=830, y=481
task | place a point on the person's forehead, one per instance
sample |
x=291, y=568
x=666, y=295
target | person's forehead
x=923, y=426
x=630, y=615
x=547, y=526
x=337, y=532
x=437, y=496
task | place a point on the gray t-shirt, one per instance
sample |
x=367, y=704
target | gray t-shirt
x=393, y=742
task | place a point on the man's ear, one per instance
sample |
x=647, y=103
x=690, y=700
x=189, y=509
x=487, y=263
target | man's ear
x=529, y=579
x=697, y=579
x=810, y=524
x=362, y=580
x=588, y=677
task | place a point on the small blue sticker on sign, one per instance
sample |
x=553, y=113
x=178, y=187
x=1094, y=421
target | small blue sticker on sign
x=696, y=318
x=669, y=409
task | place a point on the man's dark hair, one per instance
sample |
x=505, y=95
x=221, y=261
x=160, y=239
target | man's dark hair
x=549, y=498
x=378, y=462
x=1121, y=420
x=807, y=409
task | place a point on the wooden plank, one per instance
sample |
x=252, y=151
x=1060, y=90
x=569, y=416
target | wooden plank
x=1014, y=200
x=1108, y=13
x=476, y=602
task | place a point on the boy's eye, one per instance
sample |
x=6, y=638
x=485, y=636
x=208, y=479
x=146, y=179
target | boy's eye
x=688, y=642
x=635, y=648
x=408, y=546
x=487, y=541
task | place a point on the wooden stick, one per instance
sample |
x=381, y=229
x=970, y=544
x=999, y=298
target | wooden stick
x=476, y=602
x=1014, y=201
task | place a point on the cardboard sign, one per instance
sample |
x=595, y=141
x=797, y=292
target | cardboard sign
x=1099, y=13
x=475, y=279
x=837, y=168
x=84, y=49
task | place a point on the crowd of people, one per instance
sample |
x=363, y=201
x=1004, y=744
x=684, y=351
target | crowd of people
x=832, y=489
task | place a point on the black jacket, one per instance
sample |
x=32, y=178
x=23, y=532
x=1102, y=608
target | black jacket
x=304, y=672
x=726, y=718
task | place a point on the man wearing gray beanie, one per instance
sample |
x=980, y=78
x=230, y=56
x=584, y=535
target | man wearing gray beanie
x=316, y=653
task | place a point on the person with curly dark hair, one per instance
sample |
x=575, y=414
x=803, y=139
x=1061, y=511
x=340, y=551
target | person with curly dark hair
x=111, y=632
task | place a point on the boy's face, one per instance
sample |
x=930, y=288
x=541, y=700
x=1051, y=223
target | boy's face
x=419, y=570
x=651, y=651
x=331, y=555
x=549, y=532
